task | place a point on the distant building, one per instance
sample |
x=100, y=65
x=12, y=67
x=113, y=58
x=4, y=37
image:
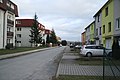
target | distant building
x=83, y=38
x=47, y=32
x=23, y=27
x=87, y=29
x=90, y=33
x=8, y=12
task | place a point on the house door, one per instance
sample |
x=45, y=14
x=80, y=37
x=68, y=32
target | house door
x=108, y=43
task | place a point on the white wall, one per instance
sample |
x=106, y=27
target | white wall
x=25, y=32
x=1, y=28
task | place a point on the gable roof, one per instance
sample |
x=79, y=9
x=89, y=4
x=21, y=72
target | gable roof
x=4, y=7
x=102, y=8
x=89, y=25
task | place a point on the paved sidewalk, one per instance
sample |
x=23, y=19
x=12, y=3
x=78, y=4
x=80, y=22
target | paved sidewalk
x=67, y=66
x=22, y=53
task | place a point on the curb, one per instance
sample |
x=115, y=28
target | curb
x=57, y=74
x=7, y=56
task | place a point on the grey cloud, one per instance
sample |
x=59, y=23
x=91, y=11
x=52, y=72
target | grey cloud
x=67, y=17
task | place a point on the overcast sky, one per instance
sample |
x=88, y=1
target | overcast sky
x=67, y=17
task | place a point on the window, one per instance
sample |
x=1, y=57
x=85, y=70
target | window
x=100, y=31
x=90, y=47
x=8, y=4
x=18, y=41
x=12, y=6
x=18, y=29
x=99, y=47
x=18, y=22
x=92, y=27
x=118, y=23
x=99, y=18
x=109, y=27
x=8, y=41
x=106, y=11
x=19, y=35
x=103, y=29
x=1, y=1
x=96, y=32
x=9, y=17
x=8, y=28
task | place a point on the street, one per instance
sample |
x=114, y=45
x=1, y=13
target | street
x=37, y=66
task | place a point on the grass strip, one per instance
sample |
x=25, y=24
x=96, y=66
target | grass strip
x=77, y=77
x=16, y=50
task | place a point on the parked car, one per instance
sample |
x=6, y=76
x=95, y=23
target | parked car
x=71, y=46
x=77, y=47
x=94, y=50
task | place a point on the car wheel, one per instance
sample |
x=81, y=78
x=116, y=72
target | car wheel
x=89, y=54
x=110, y=54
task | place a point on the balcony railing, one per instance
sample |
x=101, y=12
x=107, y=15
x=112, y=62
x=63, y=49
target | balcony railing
x=10, y=22
x=10, y=34
x=10, y=9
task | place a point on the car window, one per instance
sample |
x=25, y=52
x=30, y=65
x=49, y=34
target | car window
x=99, y=47
x=90, y=47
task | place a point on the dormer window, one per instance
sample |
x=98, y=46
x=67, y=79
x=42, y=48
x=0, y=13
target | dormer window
x=1, y=1
x=12, y=6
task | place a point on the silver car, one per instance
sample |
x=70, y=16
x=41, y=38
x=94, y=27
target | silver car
x=94, y=50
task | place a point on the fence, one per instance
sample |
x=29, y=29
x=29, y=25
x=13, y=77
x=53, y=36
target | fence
x=111, y=68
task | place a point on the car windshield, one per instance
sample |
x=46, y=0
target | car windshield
x=59, y=39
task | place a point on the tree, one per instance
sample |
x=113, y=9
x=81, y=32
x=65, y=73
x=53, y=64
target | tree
x=35, y=33
x=53, y=38
x=48, y=39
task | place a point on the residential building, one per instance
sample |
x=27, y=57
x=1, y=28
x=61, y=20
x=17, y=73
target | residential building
x=87, y=29
x=90, y=33
x=83, y=38
x=23, y=27
x=117, y=20
x=98, y=28
x=47, y=32
x=8, y=12
x=107, y=23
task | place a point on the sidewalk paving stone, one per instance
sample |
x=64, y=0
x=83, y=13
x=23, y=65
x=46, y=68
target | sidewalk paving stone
x=75, y=69
x=67, y=66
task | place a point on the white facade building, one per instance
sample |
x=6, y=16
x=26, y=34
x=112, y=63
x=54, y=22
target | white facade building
x=23, y=27
x=8, y=12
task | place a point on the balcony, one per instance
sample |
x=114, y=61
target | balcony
x=9, y=34
x=10, y=9
x=10, y=22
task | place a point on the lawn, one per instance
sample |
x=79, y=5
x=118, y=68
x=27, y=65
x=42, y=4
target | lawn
x=22, y=49
x=90, y=61
x=76, y=77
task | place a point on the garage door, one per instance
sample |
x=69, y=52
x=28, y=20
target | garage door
x=108, y=43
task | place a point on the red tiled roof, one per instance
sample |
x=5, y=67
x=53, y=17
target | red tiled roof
x=47, y=31
x=24, y=22
x=28, y=23
x=4, y=7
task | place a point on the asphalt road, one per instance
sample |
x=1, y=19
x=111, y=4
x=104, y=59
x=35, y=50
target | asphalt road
x=37, y=66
